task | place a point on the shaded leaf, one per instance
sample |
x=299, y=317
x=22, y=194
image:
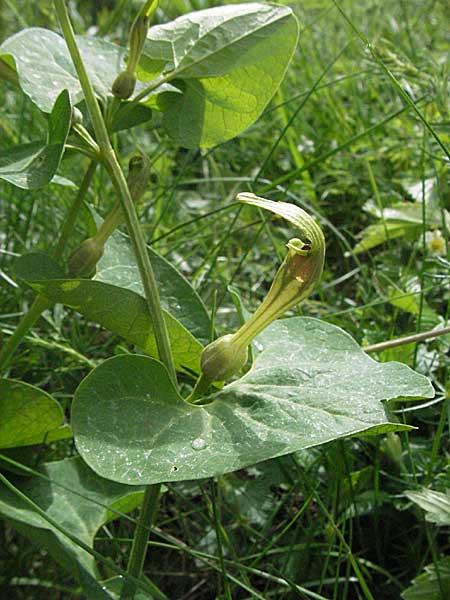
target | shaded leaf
x=78, y=500
x=118, y=267
x=28, y=415
x=31, y=166
x=130, y=115
x=429, y=585
x=227, y=61
x=120, y=310
x=311, y=384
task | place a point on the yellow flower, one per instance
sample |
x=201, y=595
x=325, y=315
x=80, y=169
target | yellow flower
x=435, y=242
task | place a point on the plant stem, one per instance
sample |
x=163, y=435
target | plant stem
x=41, y=303
x=71, y=216
x=140, y=541
x=149, y=507
x=409, y=339
x=201, y=387
x=120, y=184
x=26, y=323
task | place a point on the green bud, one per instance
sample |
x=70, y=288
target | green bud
x=392, y=446
x=223, y=358
x=84, y=258
x=77, y=116
x=138, y=174
x=138, y=35
x=124, y=84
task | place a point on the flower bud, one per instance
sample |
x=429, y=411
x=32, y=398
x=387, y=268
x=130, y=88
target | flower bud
x=223, y=358
x=124, y=84
x=77, y=116
x=138, y=174
x=84, y=258
x=138, y=35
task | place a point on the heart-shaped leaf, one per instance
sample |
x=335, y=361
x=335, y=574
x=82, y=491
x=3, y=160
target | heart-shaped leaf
x=118, y=267
x=311, y=384
x=120, y=310
x=78, y=500
x=44, y=66
x=31, y=166
x=28, y=415
x=227, y=61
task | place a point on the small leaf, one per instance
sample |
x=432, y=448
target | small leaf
x=432, y=584
x=31, y=166
x=311, y=384
x=118, y=267
x=374, y=235
x=435, y=504
x=228, y=62
x=120, y=310
x=130, y=115
x=28, y=415
x=77, y=499
x=114, y=587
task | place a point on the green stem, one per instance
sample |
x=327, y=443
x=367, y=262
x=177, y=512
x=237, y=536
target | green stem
x=69, y=223
x=409, y=339
x=26, y=323
x=121, y=186
x=145, y=269
x=200, y=389
x=140, y=541
x=41, y=303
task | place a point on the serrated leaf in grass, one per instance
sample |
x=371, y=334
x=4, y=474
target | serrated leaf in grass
x=119, y=310
x=33, y=165
x=78, y=500
x=28, y=415
x=311, y=384
x=118, y=267
x=227, y=61
x=435, y=504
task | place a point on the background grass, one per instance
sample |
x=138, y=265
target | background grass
x=332, y=522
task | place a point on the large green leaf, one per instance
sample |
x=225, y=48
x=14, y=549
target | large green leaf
x=227, y=61
x=33, y=165
x=118, y=267
x=76, y=499
x=311, y=384
x=45, y=68
x=120, y=310
x=28, y=415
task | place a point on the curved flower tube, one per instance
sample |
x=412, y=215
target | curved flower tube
x=294, y=281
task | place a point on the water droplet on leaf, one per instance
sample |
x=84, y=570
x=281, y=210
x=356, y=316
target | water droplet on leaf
x=199, y=444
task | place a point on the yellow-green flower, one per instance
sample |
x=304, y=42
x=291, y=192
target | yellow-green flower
x=296, y=278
